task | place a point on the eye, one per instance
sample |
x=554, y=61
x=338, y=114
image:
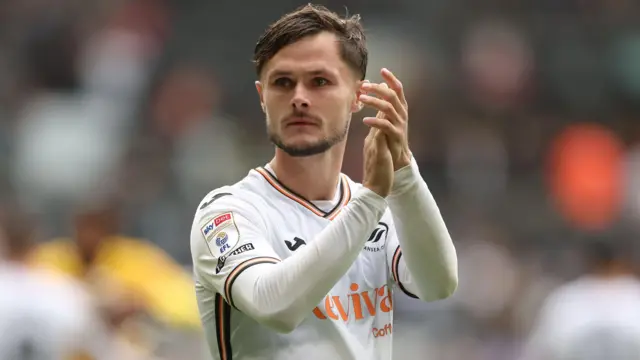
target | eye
x=283, y=82
x=319, y=81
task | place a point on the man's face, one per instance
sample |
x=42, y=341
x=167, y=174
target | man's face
x=308, y=94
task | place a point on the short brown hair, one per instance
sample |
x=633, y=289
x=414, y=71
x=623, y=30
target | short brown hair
x=310, y=20
x=18, y=232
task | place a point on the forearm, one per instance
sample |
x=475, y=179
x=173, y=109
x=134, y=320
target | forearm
x=427, y=249
x=282, y=295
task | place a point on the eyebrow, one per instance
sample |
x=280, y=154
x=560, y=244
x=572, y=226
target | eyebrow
x=279, y=73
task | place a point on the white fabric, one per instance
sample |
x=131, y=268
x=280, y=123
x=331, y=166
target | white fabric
x=327, y=294
x=589, y=318
x=423, y=236
x=43, y=316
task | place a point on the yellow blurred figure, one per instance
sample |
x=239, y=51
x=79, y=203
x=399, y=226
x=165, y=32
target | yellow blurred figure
x=42, y=314
x=127, y=274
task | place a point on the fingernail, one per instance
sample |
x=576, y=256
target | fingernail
x=366, y=85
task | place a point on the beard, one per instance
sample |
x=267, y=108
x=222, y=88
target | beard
x=315, y=148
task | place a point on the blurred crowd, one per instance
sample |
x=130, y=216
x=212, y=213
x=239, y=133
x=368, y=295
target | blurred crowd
x=117, y=117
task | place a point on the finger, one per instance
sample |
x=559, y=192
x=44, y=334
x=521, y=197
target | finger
x=381, y=105
x=383, y=91
x=395, y=84
x=380, y=114
x=380, y=139
x=382, y=125
x=372, y=132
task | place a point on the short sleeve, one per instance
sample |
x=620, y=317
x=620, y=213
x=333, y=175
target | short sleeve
x=400, y=275
x=228, y=236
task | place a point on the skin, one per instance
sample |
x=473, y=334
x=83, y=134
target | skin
x=309, y=95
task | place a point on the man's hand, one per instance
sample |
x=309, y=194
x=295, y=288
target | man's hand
x=378, y=163
x=392, y=118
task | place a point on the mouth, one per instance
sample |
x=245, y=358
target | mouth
x=301, y=121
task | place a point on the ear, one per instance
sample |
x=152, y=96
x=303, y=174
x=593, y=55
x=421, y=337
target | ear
x=357, y=105
x=260, y=90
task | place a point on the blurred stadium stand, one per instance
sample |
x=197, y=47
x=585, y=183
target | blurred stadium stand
x=525, y=119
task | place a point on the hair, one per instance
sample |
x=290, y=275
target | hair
x=18, y=232
x=310, y=20
x=604, y=251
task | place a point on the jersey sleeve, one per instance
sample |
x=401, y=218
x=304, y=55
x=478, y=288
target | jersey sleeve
x=397, y=268
x=227, y=238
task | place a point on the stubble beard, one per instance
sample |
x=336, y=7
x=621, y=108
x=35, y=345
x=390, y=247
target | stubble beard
x=316, y=148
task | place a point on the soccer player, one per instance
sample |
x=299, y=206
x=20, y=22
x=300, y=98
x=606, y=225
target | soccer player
x=297, y=261
x=596, y=316
x=42, y=316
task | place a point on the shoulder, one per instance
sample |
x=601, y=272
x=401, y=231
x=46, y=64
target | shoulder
x=244, y=199
x=62, y=290
x=241, y=194
x=56, y=246
x=567, y=296
x=59, y=254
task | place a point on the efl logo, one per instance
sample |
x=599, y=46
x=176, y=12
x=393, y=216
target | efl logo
x=358, y=305
x=221, y=241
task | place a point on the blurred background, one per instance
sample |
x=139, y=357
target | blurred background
x=117, y=117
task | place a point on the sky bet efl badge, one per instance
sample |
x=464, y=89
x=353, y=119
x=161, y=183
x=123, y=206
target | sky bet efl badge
x=221, y=234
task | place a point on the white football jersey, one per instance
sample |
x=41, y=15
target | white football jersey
x=44, y=316
x=355, y=319
x=590, y=318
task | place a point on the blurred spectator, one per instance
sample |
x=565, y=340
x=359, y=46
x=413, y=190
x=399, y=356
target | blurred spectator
x=155, y=100
x=595, y=316
x=130, y=277
x=65, y=326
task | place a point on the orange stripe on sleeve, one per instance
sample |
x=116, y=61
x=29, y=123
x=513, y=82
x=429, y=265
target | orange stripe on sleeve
x=395, y=264
x=242, y=267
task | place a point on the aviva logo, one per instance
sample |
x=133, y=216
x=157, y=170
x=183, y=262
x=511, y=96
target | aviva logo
x=356, y=304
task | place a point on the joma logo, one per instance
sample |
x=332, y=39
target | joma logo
x=293, y=246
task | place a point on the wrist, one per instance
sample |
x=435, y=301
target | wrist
x=403, y=160
x=405, y=178
x=381, y=191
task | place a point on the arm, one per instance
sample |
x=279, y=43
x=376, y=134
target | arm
x=281, y=294
x=425, y=263
x=427, y=250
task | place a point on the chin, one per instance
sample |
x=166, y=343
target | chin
x=303, y=140
x=303, y=148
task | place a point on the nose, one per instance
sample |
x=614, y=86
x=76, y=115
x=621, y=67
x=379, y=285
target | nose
x=300, y=98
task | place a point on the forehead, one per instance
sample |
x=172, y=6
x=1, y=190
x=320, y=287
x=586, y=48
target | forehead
x=319, y=52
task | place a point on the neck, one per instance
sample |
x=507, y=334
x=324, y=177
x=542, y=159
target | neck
x=20, y=258
x=314, y=177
